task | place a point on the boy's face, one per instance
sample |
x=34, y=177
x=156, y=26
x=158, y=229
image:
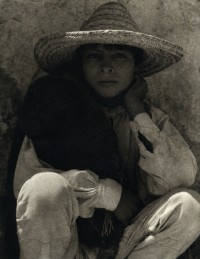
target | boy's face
x=108, y=70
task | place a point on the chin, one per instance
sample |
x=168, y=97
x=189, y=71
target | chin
x=108, y=95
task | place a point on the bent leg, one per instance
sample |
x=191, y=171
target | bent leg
x=164, y=229
x=46, y=213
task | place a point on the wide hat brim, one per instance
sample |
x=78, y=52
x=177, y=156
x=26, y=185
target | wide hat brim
x=54, y=51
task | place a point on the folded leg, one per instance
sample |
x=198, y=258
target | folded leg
x=163, y=229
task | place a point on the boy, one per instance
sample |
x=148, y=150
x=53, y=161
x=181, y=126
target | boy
x=100, y=169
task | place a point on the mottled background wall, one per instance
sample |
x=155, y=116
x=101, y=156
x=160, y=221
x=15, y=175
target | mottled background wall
x=176, y=90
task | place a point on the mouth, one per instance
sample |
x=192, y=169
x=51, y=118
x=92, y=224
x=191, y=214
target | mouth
x=107, y=82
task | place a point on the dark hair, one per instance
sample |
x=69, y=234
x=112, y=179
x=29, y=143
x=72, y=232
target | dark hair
x=137, y=52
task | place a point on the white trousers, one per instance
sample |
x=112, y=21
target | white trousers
x=47, y=210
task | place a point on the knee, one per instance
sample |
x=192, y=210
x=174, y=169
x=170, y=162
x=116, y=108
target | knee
x=188, y=202
x=45, y=190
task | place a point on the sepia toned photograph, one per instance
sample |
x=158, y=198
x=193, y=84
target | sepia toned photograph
x=100, y=129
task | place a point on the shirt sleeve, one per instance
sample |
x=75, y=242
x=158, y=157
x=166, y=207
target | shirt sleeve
x=91, y=192
x=170, y=163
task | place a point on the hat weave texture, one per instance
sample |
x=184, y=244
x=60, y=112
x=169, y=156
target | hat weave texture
x=111, y=23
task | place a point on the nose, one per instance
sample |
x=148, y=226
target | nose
x=106, y=69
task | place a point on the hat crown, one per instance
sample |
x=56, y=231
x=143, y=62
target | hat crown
x=110, y=16
x=111, y=23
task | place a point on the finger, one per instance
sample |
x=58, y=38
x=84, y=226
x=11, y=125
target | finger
x=144, y=153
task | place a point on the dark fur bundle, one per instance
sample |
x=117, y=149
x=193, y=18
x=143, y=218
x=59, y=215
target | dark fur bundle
x=68, y=128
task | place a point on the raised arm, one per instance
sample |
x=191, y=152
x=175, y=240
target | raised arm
x=165, y=158
x=170, y=163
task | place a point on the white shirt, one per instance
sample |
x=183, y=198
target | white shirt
x=169, y=166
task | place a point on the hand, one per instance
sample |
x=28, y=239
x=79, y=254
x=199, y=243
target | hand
x=133, y=99
x=128, y=207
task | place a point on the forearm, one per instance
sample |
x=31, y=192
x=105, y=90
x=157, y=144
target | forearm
x=170, y=164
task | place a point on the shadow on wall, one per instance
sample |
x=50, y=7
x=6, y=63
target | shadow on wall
x=10, y=100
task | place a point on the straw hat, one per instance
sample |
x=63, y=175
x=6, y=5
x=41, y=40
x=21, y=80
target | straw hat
x=111, y=23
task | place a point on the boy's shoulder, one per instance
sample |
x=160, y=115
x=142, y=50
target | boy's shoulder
x=50, y=85
x=54, y=93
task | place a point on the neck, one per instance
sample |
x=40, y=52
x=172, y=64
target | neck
x=110, y=102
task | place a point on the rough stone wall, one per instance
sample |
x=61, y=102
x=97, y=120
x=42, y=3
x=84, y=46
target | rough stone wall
x=176, y=90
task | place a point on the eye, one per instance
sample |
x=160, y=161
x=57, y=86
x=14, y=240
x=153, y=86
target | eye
x=120, y=55
x=93, y=55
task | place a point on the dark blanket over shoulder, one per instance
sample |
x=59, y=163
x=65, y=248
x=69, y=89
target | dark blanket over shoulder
x=68, y=128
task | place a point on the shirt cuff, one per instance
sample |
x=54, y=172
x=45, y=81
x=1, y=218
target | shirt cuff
x=144, y=121
x=109, y=194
